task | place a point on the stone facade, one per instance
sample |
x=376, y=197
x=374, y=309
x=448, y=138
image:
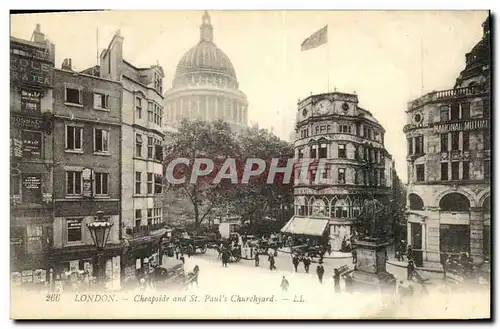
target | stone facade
x=31, y=158
x=448, y=135
x=334, y=129
x=205, y=86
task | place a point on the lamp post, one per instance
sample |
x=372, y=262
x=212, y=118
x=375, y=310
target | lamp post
x=99, y=230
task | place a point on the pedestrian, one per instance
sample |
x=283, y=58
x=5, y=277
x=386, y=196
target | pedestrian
x=257, y=260
x=271, y=263
x=320, y=271
x=354, y=256
x=225, y=258
x=409, y=269
x=307, y=263
x=295, y=262
x=181, y=257
x=329, y=248
x=177, y=252
x=284, y=284
x=409, y=252
x=336, y=280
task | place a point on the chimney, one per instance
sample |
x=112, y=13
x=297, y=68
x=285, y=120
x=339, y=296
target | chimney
x=66, y=65
x=38, y=36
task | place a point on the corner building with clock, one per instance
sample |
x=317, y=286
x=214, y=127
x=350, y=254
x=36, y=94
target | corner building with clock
x=449, y=163
x=333, y=127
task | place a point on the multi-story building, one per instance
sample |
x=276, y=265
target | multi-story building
x=205, y=85
x=449, y=154
x=31, y=165
x=334, y=129
x=87, y=138
x=141, y=156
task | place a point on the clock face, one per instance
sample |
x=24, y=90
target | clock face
x=323, y=107
x=345, y=107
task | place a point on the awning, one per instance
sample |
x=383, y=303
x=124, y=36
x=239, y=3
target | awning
x=306, y=226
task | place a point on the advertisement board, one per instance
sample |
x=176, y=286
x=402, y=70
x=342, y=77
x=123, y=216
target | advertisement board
x=32, y=144
x=32, y=188
x=30, y=65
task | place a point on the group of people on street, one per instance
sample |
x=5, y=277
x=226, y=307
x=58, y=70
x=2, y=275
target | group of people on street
x=297, y=259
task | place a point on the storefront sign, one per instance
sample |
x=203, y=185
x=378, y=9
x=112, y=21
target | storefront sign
x=412, y=126
x=32, y=144
x=87, y=175
x=30, y=65
x=16, y=147
x=461, y=126
x=32, y=188
x=23, y=122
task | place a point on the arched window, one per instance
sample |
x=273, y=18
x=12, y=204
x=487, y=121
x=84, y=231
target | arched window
x=356, y=208
x=341, y=209
x=454, y=202
x=486, y=206
x=416, y=202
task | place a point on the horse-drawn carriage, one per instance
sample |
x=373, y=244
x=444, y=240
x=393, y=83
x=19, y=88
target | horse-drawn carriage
x=191, y=245
x=313, y=251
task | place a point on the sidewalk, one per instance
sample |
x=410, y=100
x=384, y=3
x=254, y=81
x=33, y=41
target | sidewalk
x=333, y=255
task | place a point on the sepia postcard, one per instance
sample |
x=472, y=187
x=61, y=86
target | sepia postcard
x=225, y=164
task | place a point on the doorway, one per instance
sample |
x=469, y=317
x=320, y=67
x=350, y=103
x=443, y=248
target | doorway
x=416, y=243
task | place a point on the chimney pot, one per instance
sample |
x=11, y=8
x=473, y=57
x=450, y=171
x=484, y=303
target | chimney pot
x=37, y=28
x=66, y=65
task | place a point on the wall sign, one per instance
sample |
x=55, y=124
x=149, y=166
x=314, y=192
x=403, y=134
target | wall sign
x=87, y=186
x=23, y=122
x=16, y=147
x=30, y=65
x=31, y=143
x=461, y=126
x=32, y=188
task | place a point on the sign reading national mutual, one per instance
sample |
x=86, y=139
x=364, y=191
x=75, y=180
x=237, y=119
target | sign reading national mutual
x=461, y=126
x=30, y=65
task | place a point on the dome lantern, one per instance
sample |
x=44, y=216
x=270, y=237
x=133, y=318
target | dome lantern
x=206, y=29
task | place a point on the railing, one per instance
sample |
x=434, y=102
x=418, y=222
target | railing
x=450, y=93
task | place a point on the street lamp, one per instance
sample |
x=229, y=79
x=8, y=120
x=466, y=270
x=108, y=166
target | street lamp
x=99, y=230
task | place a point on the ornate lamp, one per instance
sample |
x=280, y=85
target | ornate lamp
x=99, y=230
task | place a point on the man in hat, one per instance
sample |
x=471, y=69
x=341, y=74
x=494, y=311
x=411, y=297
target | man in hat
x=320, y=271
x=284, y=284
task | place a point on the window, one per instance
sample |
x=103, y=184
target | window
x=486, y=140
x=419, y=145
x=455, y=111
x=138, y=217
x=444, y=113
x=342, y=152
x=416, y=202
x=73, y=183
x=465, y=170
x=150, y=216
x=486, y=108
x=158, y=184
x=365, y=177
x=138, y=145
x=341, y=175
x=157, y=216
x=455, y=138
x=34, y=233
x=74, y=229
x=454, y=170
x=158, y=150
x=345, y=129
x=301, y=154
x=356, y=176
x=444, y=142
x=137, y=182
x=74, y=137
x=465, y=110
x=444, y=170
x=322, y=151
x=158, y=83
x=101, y=140
x=420, y=170
x=101, y=101
x=73, y=96
x=410, y=146
x=150, y=147
x=487, y=169
x=314, y=151
x=138, y=107
x=341, y=209
x=101, y=183
x=150, y=183
x=465, y=141
x=150, y=111
x=30, y=101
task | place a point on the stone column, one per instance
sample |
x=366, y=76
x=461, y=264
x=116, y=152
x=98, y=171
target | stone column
x=476, y=234
x=207, y=113
x=198, y=109
x=433, y=236
x=183, y=115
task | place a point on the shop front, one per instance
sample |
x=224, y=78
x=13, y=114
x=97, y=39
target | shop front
x=313, y=229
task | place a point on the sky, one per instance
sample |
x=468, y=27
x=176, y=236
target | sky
x=382, y=56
